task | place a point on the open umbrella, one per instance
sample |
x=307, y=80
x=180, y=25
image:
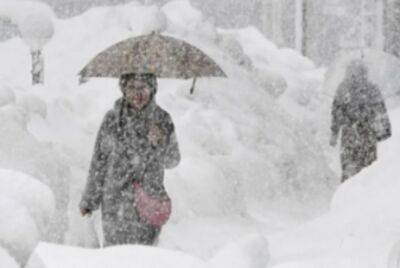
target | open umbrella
x=164, y=56
x=383, y=70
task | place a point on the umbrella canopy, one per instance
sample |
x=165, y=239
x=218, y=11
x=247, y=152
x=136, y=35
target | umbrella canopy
x=383, y=70
x=164, y=56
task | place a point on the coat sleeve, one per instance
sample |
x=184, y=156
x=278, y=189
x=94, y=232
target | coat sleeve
x=381, y=121
x=170, y=154
x=91, y=197
x=337, y=112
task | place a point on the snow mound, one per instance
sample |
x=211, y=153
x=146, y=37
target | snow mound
x=250, y=252
x=18, y=231
x=264, y=52
x=180, y=13
x=286, y=75
x=184, y=19
x=234, y=49
x=20, y=150
x=54, y=256
x=271, y=81
x=33, y=105
x=34, y=20
x=27, y=191
x=321, y=262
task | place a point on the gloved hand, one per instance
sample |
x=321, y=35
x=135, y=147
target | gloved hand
x=85, y=211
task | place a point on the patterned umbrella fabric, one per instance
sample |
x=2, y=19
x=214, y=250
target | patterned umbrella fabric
x=164, y=56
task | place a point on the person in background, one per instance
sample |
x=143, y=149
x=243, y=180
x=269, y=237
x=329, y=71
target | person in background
x=359, y=112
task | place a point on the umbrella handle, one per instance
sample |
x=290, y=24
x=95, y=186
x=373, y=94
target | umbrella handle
x=193, y=85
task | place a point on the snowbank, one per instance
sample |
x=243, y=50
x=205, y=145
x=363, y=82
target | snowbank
x=291, y=78
x=27, y=191
x=53, y=256
x=249, y=252
x=362, y=227
x=20, y=150
x=18, y=231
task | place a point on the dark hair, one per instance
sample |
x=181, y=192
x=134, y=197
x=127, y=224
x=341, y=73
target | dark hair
x=147, y=78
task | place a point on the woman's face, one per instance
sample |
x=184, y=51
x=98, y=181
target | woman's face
x=137, y=94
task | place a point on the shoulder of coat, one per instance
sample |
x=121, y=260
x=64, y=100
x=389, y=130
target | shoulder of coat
x=111, y=114
x=110, y=117
x=163, y=113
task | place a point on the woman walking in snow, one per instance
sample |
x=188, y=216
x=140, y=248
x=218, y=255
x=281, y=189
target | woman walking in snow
x=135, y=143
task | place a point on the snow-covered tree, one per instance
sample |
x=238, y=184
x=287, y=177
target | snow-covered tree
x=35, y=24
x=36, y=30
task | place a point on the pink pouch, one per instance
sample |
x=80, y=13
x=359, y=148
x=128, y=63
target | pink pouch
x=155, y=211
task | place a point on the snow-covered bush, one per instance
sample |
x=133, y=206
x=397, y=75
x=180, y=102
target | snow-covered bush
x=20, y=150
x=34, y=21
x=27, y=191
x=234, y=49
x=249, y=252
x=36, y=29
x=271, y=81
x=35, y=24
x=18, y=230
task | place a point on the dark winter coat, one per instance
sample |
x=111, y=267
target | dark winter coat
x=359, y=111
x=123, y=154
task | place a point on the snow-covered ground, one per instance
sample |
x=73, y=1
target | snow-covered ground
x=251, y=251
x=255, y=163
